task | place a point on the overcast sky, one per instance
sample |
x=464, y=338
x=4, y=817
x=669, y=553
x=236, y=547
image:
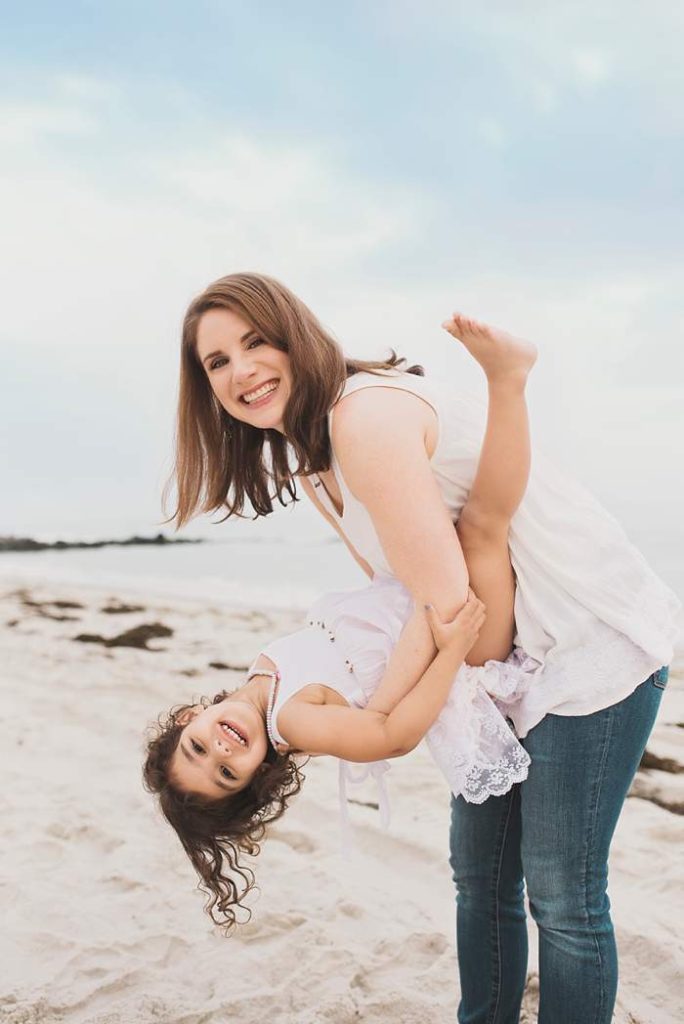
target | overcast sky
x=388, y=161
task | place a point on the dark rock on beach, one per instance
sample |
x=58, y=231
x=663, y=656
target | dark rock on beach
x=663, y=764
x=28, y=602
x=29, y=544
x=136, y=637
x=45, y=608
x=118, y=608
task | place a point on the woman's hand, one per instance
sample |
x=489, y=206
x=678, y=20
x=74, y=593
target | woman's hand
x=461, y=632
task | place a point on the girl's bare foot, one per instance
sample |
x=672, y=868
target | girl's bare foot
x=502, y=356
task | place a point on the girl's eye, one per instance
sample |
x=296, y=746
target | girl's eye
x=255, y=341
x=196, y=747
x=226, y=773
x=216, y=363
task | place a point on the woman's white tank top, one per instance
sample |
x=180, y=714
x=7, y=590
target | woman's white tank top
x=587, y=606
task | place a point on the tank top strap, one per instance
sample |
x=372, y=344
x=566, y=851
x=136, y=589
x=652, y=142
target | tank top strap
x=396, y=379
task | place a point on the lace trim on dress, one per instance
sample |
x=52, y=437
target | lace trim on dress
x=472, y=741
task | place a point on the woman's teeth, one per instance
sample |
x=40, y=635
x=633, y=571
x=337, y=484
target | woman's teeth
x=261, y=392
x=234, y=733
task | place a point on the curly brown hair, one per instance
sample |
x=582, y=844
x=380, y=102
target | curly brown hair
x=222, y=463
x=214, y=833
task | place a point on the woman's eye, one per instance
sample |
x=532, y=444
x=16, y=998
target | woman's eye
x=255, y=341
x=216, y=363
x=196, y=747
x=226, y=773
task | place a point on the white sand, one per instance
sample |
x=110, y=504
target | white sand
x=101, y=922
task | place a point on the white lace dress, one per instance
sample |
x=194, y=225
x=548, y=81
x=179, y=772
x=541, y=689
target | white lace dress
x=471, y=742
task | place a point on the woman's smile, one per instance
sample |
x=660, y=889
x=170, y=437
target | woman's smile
x=250, y=377
x=258, y=396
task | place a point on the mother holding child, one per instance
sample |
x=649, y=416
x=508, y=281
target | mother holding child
x=565, y=629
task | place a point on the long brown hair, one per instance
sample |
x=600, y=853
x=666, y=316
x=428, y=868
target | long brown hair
x=215, y=833
x=221, y=463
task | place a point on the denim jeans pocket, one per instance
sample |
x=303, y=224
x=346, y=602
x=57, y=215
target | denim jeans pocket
x=659, y=678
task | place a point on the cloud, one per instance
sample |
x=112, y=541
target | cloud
x=493, y=132
x=280, y=197
x=592, y=67
x=27, y=123
x=87, y=88
x=544, y=95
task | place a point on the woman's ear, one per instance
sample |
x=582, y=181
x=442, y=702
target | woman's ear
x=187, y=716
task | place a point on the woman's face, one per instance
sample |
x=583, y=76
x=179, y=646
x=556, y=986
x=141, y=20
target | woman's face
x=220, y=748
x=250, y=378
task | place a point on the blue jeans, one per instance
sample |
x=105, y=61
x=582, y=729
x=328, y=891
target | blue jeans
x=554, y=832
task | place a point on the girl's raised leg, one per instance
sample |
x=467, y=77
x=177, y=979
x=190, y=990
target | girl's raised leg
x=500, y=481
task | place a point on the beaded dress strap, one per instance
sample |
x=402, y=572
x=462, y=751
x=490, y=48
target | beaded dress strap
x=275, y=679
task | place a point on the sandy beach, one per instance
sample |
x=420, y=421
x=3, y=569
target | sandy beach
x=102, y=922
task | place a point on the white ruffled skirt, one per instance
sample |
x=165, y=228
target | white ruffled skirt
x=472, y=740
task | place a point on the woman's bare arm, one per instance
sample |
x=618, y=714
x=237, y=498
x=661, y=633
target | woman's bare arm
x=411, y=655
x=407, y=663
x=387, y=443
x=380, y=437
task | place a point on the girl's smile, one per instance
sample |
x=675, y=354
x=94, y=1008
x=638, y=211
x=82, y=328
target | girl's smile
x=222, y=746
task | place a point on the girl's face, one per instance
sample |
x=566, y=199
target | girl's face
x=250, y=378
x=221, y=747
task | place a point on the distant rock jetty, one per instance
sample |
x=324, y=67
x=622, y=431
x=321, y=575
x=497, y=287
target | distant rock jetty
x=29, y=544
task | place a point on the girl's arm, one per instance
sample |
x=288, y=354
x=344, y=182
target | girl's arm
x=362, y=735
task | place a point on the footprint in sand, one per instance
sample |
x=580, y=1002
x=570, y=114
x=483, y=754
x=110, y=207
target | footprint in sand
x=350, y=909
x=119, y=883
x=418, y=951
x=270, y=927
x=360, y=981
x=88, y=833
x=298, y=841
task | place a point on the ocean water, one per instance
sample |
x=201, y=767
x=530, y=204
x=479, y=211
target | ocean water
x=251, y=568
x=275, y=573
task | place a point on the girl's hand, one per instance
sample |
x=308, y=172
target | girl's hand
x=462, y=632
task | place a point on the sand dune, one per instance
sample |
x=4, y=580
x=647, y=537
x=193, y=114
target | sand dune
x=102, y=924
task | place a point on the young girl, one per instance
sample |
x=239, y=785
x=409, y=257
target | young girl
x=340, y=686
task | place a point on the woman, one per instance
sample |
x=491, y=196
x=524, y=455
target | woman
x=389, y=459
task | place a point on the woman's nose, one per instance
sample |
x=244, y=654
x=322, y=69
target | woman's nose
x=243, y=368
